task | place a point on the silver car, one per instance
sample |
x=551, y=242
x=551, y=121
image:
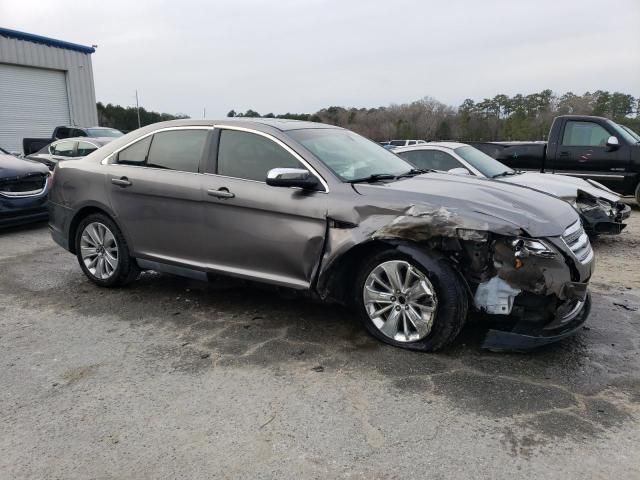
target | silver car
x=319, y=208
x=601, y=209
x=68, y=149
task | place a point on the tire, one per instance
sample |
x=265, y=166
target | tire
x=637, y=194
x=449, y=302
x=110, y=250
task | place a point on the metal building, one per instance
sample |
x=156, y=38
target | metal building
x=43, y=83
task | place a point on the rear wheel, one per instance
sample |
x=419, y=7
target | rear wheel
x=103, y=253
x=415, y=302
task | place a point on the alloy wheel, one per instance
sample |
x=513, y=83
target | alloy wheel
x=99, y=250
x=400, y=301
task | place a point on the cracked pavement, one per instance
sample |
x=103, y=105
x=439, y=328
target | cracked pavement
x=173, y=378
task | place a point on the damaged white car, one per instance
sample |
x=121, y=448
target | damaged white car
x=600, y=209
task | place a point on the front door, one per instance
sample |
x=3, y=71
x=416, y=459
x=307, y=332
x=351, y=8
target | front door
x=155, y=189
x=253, y=230
x=583, y=152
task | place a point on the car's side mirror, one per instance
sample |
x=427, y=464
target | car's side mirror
x=613, y=143
x=459, y=171
x=291, y=177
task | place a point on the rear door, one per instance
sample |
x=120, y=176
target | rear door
x=254, y=230
x=582, y=152
x=156, y=194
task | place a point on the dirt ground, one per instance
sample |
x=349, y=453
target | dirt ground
x=617, y=262
x=174, y=378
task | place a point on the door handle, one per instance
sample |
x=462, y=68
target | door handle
x=220, y=193
x=121, y=182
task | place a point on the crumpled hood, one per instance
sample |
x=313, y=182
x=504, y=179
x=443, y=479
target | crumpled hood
x=474, y=203
x=11, y=166
x=562, y=186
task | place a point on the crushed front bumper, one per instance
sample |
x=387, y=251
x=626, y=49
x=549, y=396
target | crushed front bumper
x=526, y=336
x=601, y=218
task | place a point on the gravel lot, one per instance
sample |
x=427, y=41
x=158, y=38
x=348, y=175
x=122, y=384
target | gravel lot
x=171, y=378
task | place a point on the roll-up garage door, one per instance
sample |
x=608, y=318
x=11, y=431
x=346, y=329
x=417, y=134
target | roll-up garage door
x=33, y=101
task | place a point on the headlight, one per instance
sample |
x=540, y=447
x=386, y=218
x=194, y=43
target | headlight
x=525, y=247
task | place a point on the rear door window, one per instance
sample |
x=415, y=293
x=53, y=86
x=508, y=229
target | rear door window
x=177, y=150
x=63, y=149
x=85, y=148
x=584, y=134
x=250, y=156
x=431, y=160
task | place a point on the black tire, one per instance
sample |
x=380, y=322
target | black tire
x=452, y=297
x=126, y=270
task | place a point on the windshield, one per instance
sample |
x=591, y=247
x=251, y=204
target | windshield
x=489, y=167
x=104, y=132
x=631, y=132
x=623, y=132
x=348, y=155
x=630, y=135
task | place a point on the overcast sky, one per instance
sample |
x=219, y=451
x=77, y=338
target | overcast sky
x=301, y=55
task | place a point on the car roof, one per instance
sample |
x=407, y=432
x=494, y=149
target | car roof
x=281, y=124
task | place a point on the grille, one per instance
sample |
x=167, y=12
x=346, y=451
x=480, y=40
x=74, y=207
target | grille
x=27, y=186
x=578, y=242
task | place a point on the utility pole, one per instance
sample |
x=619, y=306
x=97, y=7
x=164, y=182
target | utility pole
x=138, y=108
x=204, y=113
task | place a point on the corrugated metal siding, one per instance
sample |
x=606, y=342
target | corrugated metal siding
x=78, y=73
x=32, y=102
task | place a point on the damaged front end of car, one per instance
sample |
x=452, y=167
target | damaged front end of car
x=532, y=291
x=600, y=215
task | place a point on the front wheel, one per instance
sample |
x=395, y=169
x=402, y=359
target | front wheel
x=416, y=302
x=103, y=253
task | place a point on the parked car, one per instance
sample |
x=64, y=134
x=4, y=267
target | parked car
x=600, y=209
x=318, y=208
x=32, y=145
x=68, y=149
x=23, y=190
x=581, y=146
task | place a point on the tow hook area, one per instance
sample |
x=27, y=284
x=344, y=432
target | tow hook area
x=495, y=296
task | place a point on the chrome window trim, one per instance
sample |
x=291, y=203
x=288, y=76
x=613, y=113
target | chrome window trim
x=279, y=142
x=110, y=159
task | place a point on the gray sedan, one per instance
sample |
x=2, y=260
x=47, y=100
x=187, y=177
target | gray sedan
x=318, y=208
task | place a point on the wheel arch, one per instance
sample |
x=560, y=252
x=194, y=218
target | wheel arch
x=83, y=213
x=338, y=279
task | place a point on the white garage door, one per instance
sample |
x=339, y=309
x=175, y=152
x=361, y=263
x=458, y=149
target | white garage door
x=33, y=101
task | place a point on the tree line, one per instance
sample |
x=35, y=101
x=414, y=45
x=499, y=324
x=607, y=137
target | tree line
x=126, y=118
x=519, y=117
x=503, y=117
